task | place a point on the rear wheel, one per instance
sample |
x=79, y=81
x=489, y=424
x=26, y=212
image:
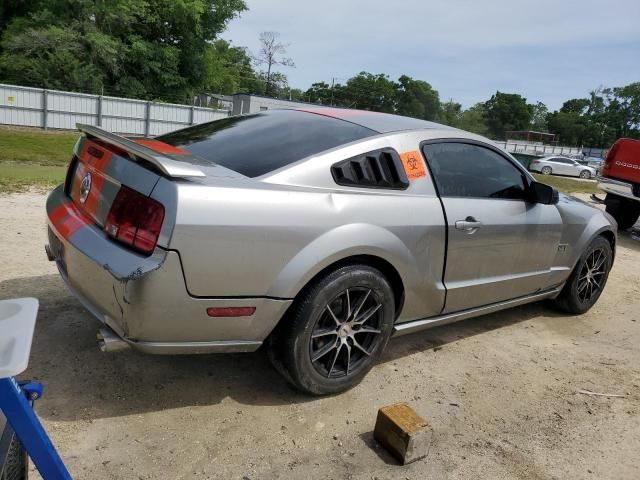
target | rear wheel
x=546, y=170
x=585, y=174
x=336, y=331
x=625, y=212
x=586, y=282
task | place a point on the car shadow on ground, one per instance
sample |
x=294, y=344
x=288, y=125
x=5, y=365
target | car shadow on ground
x=81, y=382
x=630, y=238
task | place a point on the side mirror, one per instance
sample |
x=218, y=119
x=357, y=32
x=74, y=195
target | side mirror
x=542, y=193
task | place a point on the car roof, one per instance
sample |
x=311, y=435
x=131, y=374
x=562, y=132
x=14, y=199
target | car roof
x=377, y=121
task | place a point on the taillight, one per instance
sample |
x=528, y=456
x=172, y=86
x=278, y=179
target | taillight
x=135, y=220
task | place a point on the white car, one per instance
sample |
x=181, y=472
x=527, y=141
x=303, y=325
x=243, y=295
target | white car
x=562, y=166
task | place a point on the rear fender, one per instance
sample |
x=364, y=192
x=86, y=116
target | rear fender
x=341, y=243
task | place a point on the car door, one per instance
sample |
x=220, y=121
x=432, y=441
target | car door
x=551, y=162
x=499, y=245
x=573, y=168
x=556, y=166
x=576, y=168
x=568, y=167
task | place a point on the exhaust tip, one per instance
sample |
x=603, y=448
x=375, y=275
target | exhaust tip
x=50, y=256
x=108, y=341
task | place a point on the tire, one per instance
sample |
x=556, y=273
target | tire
x=16, y=463
x=585, y=174
x=625, y=212
x=546, y=170
x=345, y=346
x=582, y=289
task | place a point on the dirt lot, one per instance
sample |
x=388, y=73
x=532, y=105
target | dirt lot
x=500, y=391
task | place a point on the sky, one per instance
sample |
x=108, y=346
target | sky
x=548, y=51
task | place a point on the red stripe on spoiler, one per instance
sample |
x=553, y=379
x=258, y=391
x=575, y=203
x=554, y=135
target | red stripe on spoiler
x=162, y=147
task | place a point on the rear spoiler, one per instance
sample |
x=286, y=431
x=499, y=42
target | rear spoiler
x=168, y=166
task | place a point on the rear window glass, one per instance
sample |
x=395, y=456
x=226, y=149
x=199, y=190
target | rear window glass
x=260, y=143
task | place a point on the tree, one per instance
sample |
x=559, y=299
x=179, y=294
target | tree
x=271, y=54
x=575, y=105
x=319, y=92
x=297, y=95
x=539, y=114
x=450, y=113
x=506, y=111
x=628, y=110
x=229, y=70
x=416, y=98
x=569, y=127
x=473, y=120
x=153, y=49
x=597, y=121
x=366, y=91
x=279, y=84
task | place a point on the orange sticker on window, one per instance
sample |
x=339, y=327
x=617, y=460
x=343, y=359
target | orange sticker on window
x=413, y=165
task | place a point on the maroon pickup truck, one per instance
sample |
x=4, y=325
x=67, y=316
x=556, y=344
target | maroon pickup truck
x=620, y=179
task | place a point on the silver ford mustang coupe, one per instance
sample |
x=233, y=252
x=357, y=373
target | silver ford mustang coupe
x=318, y=232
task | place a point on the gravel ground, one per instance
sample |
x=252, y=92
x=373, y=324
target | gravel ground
x=500, y=391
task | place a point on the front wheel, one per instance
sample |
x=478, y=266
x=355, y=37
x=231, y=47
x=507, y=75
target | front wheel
x=337, y=330
x=585, y=174
x=586, y=282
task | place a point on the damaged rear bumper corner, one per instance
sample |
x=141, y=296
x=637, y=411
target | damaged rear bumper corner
x=144, y=300
x=155, y=314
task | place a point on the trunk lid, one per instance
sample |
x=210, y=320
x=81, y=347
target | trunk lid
x=96, y=173
x=106, y=165
x=104, y=161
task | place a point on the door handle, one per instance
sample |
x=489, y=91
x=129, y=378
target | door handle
x=468, y=225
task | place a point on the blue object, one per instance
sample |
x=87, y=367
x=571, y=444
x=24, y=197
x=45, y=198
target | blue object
x=14, y=403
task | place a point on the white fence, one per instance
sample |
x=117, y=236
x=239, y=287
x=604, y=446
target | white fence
x=37, y=107
x=512, y=146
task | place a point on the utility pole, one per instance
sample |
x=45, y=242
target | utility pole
x=333, y=82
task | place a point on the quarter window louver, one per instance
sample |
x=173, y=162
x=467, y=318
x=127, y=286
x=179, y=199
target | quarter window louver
x=377, y=169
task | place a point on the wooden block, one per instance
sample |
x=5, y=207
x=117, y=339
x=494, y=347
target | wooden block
x=403, y=432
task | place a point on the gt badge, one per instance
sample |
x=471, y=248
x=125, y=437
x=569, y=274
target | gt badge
x=85, y=187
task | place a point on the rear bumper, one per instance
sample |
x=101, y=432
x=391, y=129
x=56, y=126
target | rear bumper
x=144, y=300
x=617, y=187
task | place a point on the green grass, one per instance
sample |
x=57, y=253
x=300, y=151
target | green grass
x=39, y=147
x=567, y=185
x=32, y=158
x=15, y=177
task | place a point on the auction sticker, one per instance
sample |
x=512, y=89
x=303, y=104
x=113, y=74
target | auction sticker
x=413, y=165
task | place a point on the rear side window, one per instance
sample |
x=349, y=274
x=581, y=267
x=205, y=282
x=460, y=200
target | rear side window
x=466, y=170
x=263, y=142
